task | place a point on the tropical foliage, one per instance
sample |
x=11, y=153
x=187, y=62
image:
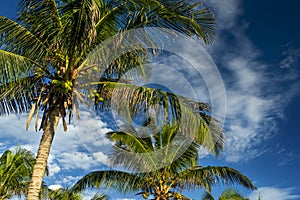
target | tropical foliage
x=15, y=172
x=161, y=180
x=42, y=53
x=62, y=194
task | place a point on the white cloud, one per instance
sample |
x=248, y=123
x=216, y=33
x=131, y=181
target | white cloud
x=271, y=193
x=227, y=12
x=67, y=180
x=54, y=187
x=75, y=160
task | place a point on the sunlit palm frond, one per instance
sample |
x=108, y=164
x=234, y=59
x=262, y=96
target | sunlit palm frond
x=230, y=194
x=188, y=18
x=201, y=126
x=15, y=171
x=132, y=151
x=100, y=197
x=206, y=177
x=63, y=194
x=119, y=180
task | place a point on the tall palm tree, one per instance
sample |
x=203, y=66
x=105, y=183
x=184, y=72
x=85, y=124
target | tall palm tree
x=166, y=182
x=42, y=53
x=15, y=172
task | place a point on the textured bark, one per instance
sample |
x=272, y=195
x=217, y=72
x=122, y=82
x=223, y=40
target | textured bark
x=42, y=155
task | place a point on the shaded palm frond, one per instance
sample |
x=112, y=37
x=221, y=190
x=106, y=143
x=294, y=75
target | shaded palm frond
x=18, y=40
x=42, y=18
x=18, y=96
x=207, y=196
x=79, y=28
x=14, y=66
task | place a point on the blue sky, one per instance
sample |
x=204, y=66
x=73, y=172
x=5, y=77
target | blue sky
x=257, y=53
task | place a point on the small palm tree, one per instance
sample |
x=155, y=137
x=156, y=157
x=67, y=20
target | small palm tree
x=228, y=194
x=231, y=194
x=63, y=194
x=42, y=53
x=15, y=172
x=180, y=172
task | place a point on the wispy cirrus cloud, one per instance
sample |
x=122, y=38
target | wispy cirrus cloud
x=256, y=95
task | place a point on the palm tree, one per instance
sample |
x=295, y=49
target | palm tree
x=42, y=53
x=181, y=173
x=15, y=172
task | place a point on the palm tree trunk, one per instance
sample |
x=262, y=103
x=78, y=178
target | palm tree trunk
x=43, y=154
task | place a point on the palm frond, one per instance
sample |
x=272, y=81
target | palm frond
x=79, y=20
x=14, y=66
x=232, y=195
x=186, y=18
x=132, y=151
x=207, y=196
x=17, y=39
x=18, y=96
x=206, y=177
x=63, y=194
x=42, y=18
x=119, y=180
x=100, y=197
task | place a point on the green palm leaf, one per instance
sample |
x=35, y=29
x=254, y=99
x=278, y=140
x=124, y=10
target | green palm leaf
x=110, y=179
x=211, y=175
x=18, y=40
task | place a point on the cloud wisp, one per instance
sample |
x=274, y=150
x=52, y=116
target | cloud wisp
x=254, y=93
x=271, y=193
